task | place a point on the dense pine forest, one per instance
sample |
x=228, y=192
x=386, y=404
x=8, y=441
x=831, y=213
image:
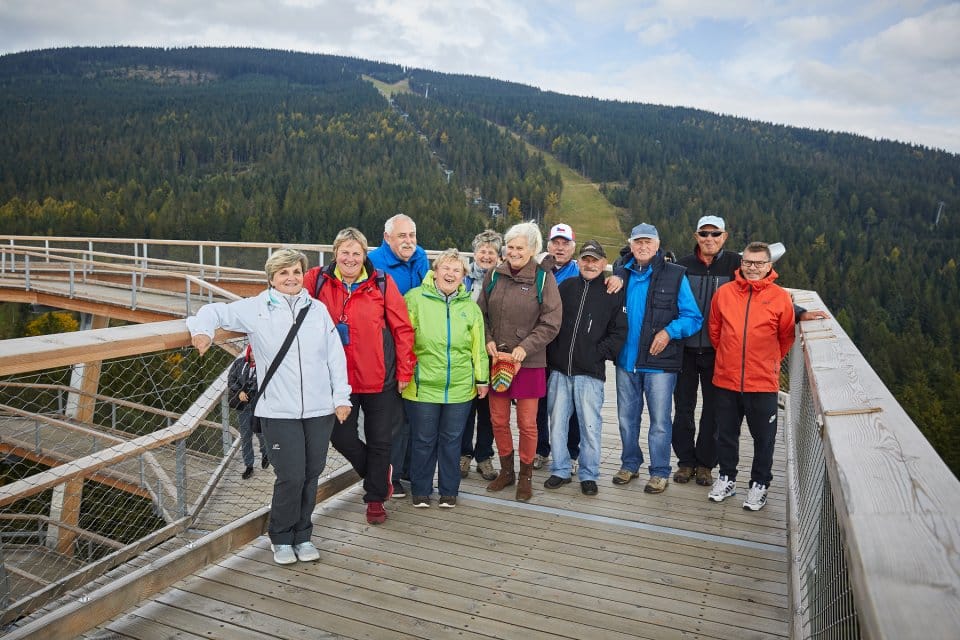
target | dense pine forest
x=244, y=144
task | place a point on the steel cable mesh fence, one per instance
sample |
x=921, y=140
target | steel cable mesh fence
x=102, y=461
x=825, y=600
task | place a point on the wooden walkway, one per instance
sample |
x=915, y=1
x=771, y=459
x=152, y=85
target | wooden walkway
x=622, y=564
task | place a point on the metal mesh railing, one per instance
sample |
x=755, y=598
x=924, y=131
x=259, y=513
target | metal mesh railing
x=93, y=478
x=822, y=598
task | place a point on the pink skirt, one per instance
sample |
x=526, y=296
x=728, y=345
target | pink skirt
x=527, y=383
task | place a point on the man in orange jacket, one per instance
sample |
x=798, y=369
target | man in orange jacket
x=751, y=327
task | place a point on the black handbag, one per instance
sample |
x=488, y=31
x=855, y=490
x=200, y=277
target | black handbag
x=254, y=420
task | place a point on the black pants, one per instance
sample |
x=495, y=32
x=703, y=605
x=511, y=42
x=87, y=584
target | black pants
x=693, y=448
x=543, y=430
x=381, y=413
x=760, y=410
x=298, y=453
x=479, y=414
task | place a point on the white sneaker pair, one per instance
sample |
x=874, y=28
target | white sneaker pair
x=289, y=553
x=724, y=488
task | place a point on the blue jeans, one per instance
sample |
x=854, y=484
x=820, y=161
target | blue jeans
x=435, y=432
x=584, y=396
x=657, y=388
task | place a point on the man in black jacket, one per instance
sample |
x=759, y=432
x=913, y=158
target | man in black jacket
x=593, y=330
x=708, y=267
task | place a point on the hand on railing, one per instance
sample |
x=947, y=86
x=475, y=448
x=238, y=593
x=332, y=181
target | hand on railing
x=202, y=342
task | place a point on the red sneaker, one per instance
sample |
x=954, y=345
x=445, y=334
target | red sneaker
x=376, y=514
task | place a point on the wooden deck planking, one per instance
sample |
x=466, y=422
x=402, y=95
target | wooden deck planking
x=621, y=564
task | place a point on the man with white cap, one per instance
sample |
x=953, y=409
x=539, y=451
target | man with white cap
x=661, y=312
x=561, y=245
x=708, y=267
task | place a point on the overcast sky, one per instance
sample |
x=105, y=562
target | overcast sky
x=882, y=68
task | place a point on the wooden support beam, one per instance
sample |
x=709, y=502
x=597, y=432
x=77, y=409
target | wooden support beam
x=65, y=507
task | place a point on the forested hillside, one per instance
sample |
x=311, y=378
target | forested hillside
x=254, y=145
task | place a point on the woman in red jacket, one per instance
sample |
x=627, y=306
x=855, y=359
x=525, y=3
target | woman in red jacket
x=371, y=317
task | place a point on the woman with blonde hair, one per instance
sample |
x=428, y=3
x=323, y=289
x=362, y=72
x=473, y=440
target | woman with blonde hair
x=452, y=369
x=522, y=312
x=296, y=407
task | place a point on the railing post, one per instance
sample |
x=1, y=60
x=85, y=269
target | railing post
x=200, y=247
x=217, y=262
x=4, y=582
x=133, y=290
x=71, y=281
x=225, y=422
x=187, y=288
x=182, y=477
x=26, y=271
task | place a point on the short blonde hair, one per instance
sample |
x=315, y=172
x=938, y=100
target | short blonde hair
x=348, y=234
x=450, y=255
x=488, y=236
x=283, y=258
x=528, y=230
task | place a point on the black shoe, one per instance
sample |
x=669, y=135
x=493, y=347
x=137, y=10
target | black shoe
x=554, y=482
x=588, y=488
x=264, y=461
x=398, y=490
x=247, y=473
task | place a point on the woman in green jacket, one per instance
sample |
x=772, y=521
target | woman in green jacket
x=452, y=368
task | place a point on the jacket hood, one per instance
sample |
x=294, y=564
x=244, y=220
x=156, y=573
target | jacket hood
x=762, y=283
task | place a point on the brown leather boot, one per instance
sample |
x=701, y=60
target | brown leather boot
x=525, y=482
x=506, y=477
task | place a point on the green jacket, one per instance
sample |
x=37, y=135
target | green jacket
x=449, y=345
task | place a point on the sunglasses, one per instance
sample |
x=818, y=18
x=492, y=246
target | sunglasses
x=709, y=234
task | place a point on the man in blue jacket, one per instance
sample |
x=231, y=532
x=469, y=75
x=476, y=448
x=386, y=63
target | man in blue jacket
x=661, y=312
x=399, y=255
x=407, y=263
x=593, y=330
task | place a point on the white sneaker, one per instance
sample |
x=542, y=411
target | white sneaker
x=573, y=466
x=756, y=498
x=539, y=461
x=722, y=489
x=283, y=553
x=306, y=552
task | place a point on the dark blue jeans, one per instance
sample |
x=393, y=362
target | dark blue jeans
x=435, y=432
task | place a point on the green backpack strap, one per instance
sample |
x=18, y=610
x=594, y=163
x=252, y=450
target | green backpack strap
x=541, y=277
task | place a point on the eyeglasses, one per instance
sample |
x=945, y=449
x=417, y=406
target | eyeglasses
x=754, y=263
x=710, y=234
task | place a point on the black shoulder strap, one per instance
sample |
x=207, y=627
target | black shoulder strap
x=284, y=348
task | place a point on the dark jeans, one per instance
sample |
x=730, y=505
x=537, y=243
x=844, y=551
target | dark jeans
x=435, y=435
x=479, y=414
x=693, y=448
x=298, y=452
x=543, y=431
x=381, y=412
x=246, y=437
x=760, y=410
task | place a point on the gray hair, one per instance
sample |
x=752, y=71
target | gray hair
x=758, y=247
x=388, y=225
x=488, y=236
x=350, y=233
x=283, y=258
x=450, y=255
x=528, y=230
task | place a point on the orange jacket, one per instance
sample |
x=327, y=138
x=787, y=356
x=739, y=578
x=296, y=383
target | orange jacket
x=751, y=327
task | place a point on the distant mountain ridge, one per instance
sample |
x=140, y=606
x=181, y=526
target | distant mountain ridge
x=251, y=144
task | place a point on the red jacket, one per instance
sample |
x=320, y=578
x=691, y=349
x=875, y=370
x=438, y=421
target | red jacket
x=380, y=346
x=751, y=327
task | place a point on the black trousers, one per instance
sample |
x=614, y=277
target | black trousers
x=381, y=413
x=298, y=453
x=479, y=415
x=693, y=448
x=760, y=410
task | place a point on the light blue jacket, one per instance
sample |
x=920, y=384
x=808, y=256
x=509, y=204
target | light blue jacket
x=311, y=380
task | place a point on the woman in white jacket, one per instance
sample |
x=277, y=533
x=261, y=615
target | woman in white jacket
x=297, y=408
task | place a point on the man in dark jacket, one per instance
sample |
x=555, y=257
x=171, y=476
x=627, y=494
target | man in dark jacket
x=593, y=330
x=708, y=267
